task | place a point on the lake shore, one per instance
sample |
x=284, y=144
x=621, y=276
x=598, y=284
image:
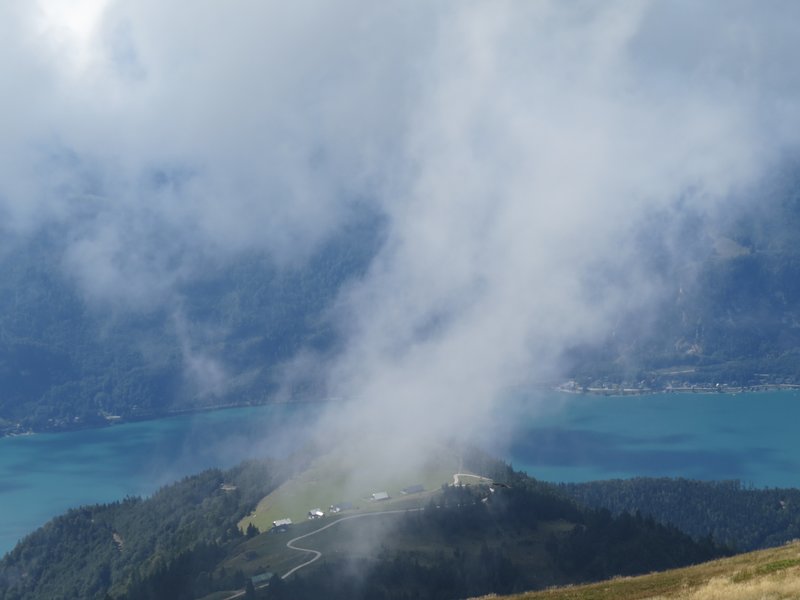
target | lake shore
x=556, y=438
x=105, y=421
x=707, y=388
x=569, y=387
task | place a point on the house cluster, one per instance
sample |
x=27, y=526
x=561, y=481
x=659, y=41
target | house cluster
x=337, y=508
x=317, y=513
x=282, y=524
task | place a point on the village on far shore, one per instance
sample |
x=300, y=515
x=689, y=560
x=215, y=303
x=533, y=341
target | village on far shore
x=660, y=385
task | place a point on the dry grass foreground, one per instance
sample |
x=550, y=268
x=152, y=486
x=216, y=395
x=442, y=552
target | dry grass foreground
x=772, y=574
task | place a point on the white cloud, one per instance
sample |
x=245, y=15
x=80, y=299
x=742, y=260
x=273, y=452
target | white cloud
x=546, y=135
x=515, y=148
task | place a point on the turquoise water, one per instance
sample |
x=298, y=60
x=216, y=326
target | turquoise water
x=41, y=476
x=751, y=437
x=555, y=437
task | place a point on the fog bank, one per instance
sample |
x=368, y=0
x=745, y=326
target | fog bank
x=524, y=155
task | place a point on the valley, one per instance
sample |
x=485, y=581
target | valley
x=399, y=300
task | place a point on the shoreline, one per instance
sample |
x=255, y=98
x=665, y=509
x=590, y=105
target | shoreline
x=568, y=388
x=114, y=420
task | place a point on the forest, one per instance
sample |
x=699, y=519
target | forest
x=66, y=363
x=729, y=311
x=730, y=314
x=738, y=516
x=103, y=550
x=497, y=547
x=469, y=540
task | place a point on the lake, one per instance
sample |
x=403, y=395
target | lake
x=43, y=475
x=752, y=437
x=556, y=437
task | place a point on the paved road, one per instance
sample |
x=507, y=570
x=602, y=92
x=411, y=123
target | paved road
x=317, y=554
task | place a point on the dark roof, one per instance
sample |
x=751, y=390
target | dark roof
x=414, y=489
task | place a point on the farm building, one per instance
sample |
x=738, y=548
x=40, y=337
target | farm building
x=282, y=523
x=413, y=489
x=380, y=496
x=336, y=508
x=315, y=513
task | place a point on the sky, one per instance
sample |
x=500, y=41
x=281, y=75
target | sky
x=517, y=151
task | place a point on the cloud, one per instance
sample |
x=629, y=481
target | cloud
x=252, y=125
x=546, y=138
x=164, y=142
x=516, y=149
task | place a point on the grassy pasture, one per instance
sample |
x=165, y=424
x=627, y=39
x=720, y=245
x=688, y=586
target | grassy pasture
x=326, y=483
x=772, y=574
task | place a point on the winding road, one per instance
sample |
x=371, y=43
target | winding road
x=316, y=553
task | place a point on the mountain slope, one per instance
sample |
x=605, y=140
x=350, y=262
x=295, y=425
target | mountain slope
x=747, y=519
x=729, y=311
x=220, y=338
x=772, y=574
x=459, y=541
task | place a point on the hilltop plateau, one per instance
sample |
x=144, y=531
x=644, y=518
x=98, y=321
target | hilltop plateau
x=483, y=528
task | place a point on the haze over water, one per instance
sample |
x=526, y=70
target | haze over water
x=751, y=437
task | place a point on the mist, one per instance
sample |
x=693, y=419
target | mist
x=517, y=152
x=551, y=145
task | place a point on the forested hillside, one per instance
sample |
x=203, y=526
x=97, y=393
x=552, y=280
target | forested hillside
x=731, y=308
x=466, y=541
x=523, y=537
x=173, y=539
x=745, y=519
x=729, y=313
x=66, y=362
